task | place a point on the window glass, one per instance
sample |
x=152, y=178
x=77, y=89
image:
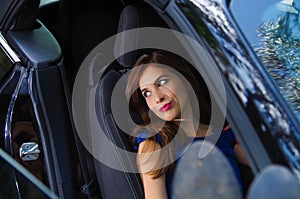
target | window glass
x=22, y=164
x=23, y=147
x=272, y=29
x=5, y=63
x=18, y=183
x=22, y=168
x=26, y=146
x=9, y=186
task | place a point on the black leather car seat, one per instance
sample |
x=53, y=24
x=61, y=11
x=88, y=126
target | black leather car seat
x=114, y=183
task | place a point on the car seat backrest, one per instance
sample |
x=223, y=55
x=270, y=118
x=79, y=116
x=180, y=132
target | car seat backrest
x=134, y=16
x=114, y=183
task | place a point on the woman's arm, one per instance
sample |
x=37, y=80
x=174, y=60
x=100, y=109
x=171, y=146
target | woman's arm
x=240, y=155
x=154, y=188
x=238, y=151
x=148, y=156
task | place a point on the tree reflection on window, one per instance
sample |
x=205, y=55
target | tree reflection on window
x=279, y=49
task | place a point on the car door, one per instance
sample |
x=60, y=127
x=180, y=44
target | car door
x=36, y=128
x=247, y=81
x=261, y=118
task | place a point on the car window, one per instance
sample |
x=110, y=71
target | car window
x=6, y=62
x=270, y=28
x=10, y=170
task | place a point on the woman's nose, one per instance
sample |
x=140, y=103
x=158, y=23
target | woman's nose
x=159, y=96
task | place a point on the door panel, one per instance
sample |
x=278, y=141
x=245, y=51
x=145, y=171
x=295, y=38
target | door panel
x=32, y=119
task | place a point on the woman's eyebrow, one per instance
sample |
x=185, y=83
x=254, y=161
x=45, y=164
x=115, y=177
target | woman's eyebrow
x=155, y=82
x=160, y=77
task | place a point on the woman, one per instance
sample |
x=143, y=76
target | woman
x=162, y=99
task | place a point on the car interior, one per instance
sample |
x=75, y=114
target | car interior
x=78, y=27
x=134, y=15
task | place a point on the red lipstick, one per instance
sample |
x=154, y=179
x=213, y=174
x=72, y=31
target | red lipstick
x=165, y=107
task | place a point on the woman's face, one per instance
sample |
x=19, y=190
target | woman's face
x=164, y=92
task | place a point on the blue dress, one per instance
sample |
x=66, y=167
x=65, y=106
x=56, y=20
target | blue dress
x=225, y=143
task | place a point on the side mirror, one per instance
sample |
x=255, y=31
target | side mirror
x=276, y=182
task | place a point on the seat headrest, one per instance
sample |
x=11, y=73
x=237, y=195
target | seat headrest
x=134, y=16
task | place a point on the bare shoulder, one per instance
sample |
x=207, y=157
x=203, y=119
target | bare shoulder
x=149, y=155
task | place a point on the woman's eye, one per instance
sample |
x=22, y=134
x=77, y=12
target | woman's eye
x=162, y=82
x=146, y=93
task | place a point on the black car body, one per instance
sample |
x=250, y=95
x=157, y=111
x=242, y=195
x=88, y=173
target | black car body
x=45, y=45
